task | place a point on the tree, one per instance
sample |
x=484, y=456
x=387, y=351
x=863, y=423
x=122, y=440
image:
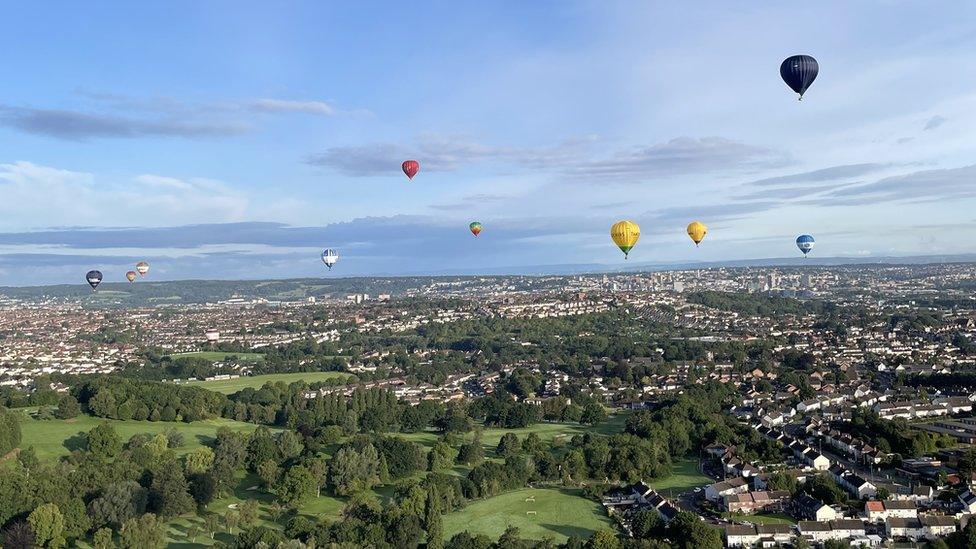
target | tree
x=441, y=456
x=248, y=511
x=269, y=472
x=433, y=521
x=646, y=524
x=211, y=522
x=605, y=539
x=18, y=536
x=192, y=532
x=199, y=461
x=509, y=445
x=103, y=442
x=169, y=493
x=28, y=459
x=145, y=532
x=297, y=485
x=593, y=413
x=68, y=408
x=118, y=503
x=103, y=539
x=203, y=488
x=231, y=519
x=9, y=430
x=47, y=523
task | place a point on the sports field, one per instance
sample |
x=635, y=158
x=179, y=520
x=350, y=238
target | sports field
x=228, y=386
x=57, y=437
x=537, y=513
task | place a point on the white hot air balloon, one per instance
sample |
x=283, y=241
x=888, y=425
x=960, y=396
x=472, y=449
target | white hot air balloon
x=330, y=257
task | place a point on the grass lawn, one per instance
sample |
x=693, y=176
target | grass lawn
x=685, y=477
x=558, y=514
x=228, y=386
x=548, y=432
x=56, y=437
x=219, y=356
x=770, y=518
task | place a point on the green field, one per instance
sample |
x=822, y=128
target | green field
x=228, y=386
x=685, y=477
x=548, y=432
x=57, y=437
x=558, y=514
x=770, y=518
x=218, y=356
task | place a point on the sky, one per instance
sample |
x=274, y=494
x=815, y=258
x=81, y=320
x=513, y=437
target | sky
x=239, y=139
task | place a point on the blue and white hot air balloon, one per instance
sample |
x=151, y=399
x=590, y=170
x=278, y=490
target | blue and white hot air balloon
x=330, y=257
x=805, y=242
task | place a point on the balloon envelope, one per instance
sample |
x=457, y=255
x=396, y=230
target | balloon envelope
x=330, y=257
x=805, y=243
x=130, y=276
x=625, y=235
x=697, y=231
x=799, y=71
x=410, y=167
x=94, y=278
x=142, y=267
x=475, y=228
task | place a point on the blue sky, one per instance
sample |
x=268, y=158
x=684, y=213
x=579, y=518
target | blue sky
x=238, y=139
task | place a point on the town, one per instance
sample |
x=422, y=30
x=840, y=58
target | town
x=842, y=396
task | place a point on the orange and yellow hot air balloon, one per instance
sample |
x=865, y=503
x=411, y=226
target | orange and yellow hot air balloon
x=130, y=276
x=625, y=235
x=697, y=231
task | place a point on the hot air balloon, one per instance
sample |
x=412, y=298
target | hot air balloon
x=799, y=71
x=805, y=242
x=697, y=231
x=475, y=228
x=130, y=276
x=94, y=278
x=330, y=257
x=625, y=235
x=142, y=267
x=410, y=167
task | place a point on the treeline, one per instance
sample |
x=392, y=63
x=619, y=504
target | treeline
x=893, y=436
x=759, y=304
x=120, y=398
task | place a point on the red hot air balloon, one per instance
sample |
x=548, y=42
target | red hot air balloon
x=411, y=168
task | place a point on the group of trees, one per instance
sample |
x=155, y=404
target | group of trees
x=893, y=436
x=122, y=398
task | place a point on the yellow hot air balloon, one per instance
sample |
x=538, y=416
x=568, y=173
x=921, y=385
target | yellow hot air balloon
x=625, y=235
x=130, y=276
x=697, y=231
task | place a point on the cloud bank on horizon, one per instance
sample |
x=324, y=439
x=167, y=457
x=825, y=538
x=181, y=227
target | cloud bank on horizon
x=239, y=143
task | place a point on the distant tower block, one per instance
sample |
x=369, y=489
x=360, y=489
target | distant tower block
x=213, y=336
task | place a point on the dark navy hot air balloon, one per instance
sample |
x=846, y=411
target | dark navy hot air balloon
x=805, y=242
x=94, y=278
x=799, y=71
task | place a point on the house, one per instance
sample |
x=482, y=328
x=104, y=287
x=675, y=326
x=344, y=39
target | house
x=937, y=526
x=968, y=500
x=904, y=528
x=740, y=535
x=715, y=492
x=770, y=534
x=751, y=502
x=816, y=531
x=806, y=507
x=878, y=511
x=847, y=528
